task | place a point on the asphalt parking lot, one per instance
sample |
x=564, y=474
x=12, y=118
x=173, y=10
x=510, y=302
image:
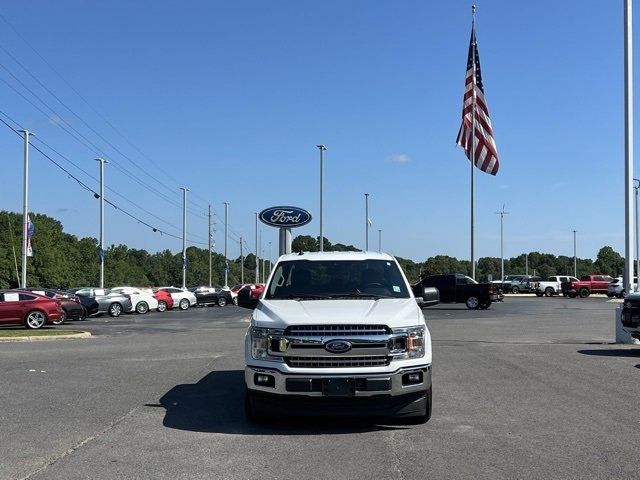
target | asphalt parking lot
x=531, y=388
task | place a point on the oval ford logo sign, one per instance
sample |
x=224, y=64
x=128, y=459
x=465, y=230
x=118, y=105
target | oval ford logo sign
x=337, y=346
x=285, y=217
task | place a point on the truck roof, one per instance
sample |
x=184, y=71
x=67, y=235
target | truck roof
x=316, y=256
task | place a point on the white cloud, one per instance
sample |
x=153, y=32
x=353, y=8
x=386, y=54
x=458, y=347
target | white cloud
x=399, y=158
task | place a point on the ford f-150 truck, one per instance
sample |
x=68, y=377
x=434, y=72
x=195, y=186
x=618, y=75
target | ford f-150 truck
x=589, y=284
x=553, y=285
x=339, y=334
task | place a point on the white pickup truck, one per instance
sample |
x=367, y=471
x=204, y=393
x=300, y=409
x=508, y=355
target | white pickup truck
x=553, y=286
x=338, y=334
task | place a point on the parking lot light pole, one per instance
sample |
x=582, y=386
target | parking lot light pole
x=628, y=145
x=502, y=213
x=322, y=150
x=379, y=241
x=257, y=246
x=25, y=207
x=636, y=187
x=366, y=222
x=209, y=245
x=184, y=237
x=241, y=262
x=575, y=260
x=226, y=260
x=101, y=252
x=526, y=264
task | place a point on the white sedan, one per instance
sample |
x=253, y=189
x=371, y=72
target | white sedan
x=182, y=299
x=141, y=300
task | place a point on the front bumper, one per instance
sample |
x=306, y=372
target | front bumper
x=360, y=384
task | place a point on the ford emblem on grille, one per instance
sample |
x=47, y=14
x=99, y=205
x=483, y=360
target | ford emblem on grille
x=337, y=346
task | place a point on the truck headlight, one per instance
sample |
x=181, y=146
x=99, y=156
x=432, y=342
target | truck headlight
x=260, y=339
x=414, y=342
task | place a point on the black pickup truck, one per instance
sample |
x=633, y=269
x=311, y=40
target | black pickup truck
x=459, y=288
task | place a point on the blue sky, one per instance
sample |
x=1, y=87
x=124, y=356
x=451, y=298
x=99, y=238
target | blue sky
x=229, y=98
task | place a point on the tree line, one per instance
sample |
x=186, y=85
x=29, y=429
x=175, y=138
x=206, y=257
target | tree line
x=62, y=260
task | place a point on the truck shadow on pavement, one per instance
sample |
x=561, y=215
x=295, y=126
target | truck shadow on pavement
x=216, y=405
x=614, y=352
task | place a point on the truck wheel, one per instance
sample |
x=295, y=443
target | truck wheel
x=515, y=290
x=573, y=295
x=584, y=292
x=539, y=294
x=549, y=292
x=623, y=294
x=484, y=306
x=472, y=303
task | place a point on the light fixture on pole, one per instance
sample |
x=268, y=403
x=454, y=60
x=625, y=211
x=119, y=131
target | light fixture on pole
x=101, y=246
x=25, y=207
x=502, y=213
x=322, y=150
x=226, y=259
x=367, y=222
x=184, y=236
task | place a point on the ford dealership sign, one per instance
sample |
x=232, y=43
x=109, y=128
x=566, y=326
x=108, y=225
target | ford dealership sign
x=285, y=217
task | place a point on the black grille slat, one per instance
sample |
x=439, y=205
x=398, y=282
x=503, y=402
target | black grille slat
x=338, y=361
x=336, y=330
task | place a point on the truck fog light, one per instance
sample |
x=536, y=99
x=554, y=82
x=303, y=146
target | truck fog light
x=412, y=378
x=264, y=380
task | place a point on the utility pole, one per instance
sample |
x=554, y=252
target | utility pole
x=366, y=222
x=101, y=252
x=502, y=213
x=379, y=241
x=209, y=245
x=628, y=144
x=226, y=260
x=575, y=259
x=25, y=207
x=322, y=150
x=526, y=264
x=257, y=247
x=184, y=236
x=241, y=262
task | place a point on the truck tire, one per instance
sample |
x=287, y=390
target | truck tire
x=472, y=302
x=549, y=292
x=515, y=290
x=485, y=305
x=584, y=292
x=539, y=294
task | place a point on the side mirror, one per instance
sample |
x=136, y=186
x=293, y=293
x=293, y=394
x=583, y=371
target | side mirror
x=430, y=296
x=246, y=300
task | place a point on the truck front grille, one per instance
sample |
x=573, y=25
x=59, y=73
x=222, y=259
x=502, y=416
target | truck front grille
x=338, y=362
x=336, y=330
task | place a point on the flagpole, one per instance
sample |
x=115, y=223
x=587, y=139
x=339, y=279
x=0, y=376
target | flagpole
x=473, y=149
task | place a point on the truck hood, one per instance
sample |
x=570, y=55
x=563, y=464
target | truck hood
x=396, y=312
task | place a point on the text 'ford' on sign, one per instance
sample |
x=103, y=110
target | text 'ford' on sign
x=286, y=217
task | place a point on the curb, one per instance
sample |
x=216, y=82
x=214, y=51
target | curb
x=51, y=337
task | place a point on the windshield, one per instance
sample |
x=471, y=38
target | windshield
x=305, y=279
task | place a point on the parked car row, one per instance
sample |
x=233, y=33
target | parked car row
x=37, y=307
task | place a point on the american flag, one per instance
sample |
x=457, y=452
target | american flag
x=486, y=154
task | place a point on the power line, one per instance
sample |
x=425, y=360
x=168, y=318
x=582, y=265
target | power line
x=102, y=117
x=96, y=194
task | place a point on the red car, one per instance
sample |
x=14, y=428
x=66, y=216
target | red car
x=165, y=300
x=29, y=309
x=256, y=289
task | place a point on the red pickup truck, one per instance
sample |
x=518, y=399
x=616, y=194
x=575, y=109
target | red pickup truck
x=589, y=284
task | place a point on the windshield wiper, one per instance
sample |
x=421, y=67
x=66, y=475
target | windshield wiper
x=306, y=296
x=359, y=294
